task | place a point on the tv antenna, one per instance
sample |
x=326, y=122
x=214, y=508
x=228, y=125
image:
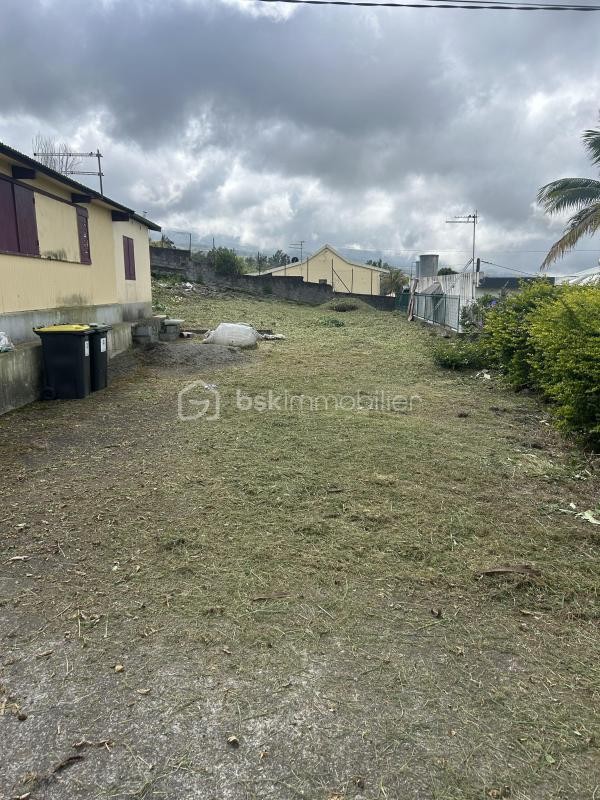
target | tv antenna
x=298, y=246
x=97, y=155
x=467, y=219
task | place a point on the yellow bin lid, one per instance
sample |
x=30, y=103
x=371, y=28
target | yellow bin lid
x=64, y=329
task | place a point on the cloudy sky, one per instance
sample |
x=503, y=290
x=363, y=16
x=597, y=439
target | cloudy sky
x=268, y=124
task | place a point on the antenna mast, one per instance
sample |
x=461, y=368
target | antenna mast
x=97, y=172
x=467, y=219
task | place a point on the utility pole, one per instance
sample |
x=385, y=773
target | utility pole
x=97, y=155
x=298, y=246
x=467, y=219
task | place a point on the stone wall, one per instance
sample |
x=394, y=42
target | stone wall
x=378, y=301
x=169, y=261
x=292, y=288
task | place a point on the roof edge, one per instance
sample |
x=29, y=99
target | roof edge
x=16, y=155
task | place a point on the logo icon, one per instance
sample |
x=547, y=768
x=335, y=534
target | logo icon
x=199, y=400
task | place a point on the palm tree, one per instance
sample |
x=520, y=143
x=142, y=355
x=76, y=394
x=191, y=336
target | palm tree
x=393, y=281
x=581, y=195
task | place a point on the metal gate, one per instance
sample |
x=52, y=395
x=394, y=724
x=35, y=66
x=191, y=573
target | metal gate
x=437, y=309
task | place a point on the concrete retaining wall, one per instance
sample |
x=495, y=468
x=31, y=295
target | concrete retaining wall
x=292, y=288
x=119, y=338
x=20, y=376
x=19, y=326
x=169, y=258
x=378, y=301
x=21, y=368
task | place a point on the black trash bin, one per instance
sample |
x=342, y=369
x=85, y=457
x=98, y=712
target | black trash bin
x=66, y=360
x=99, y=356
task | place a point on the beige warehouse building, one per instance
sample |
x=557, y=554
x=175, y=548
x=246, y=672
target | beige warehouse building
x=329, y=266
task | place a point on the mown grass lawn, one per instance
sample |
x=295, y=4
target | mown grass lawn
x=307, y=582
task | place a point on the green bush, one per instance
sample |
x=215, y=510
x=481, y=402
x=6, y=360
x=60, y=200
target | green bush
x=459, y=353
x=344, y=305
x=546, y=338
x=564, y=357
x=506, y=336
x=225, y=262
x=472, y=318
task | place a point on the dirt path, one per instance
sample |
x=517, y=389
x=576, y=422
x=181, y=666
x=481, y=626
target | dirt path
x=306, y=583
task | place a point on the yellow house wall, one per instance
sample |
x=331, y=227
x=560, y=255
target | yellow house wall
x=29, y=283
x=57, y=229
x=346, y=277
x=104, y=282
x=139, y=290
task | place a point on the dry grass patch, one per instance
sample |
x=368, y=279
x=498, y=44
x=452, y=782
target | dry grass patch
x=309, y=583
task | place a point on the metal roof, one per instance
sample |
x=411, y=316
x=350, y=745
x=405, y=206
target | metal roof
x=316, y=253
x=508, y=282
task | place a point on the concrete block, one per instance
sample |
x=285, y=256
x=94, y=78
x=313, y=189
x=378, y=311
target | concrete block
x=20, y=376
x=119, y=338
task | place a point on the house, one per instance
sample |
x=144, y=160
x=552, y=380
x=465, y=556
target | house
x=440, y=299
x=585, y=277
x=67, y=254
x=327, y=266
x=501, y=285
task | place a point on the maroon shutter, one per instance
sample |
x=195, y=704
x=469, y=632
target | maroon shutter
x=9, y=241
x=126, y=256
x=129, y=258
x=26, y=222
x=84, y=235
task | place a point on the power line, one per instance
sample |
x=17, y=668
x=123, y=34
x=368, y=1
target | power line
x=432, y=249
x=490, y=5
x=512, y=269
x=467, y=219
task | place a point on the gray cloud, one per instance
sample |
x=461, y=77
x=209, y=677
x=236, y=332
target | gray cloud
x=358, y=126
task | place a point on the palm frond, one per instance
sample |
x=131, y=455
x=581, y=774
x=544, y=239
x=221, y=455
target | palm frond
x=591, y=139
x=584, y=222
x=568, y=193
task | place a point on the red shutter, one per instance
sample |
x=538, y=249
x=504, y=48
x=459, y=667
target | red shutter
x=84, y=235
x=129, y=258
x=26, y=222
x=9, y=241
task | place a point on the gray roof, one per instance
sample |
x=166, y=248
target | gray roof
x=504, y=282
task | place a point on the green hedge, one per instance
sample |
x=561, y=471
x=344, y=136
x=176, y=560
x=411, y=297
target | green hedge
x=546, y=338
x=506, y=337
x=565, y=357
x=461, y=352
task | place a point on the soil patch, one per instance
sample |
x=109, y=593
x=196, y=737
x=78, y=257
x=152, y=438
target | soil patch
x=187, y=355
